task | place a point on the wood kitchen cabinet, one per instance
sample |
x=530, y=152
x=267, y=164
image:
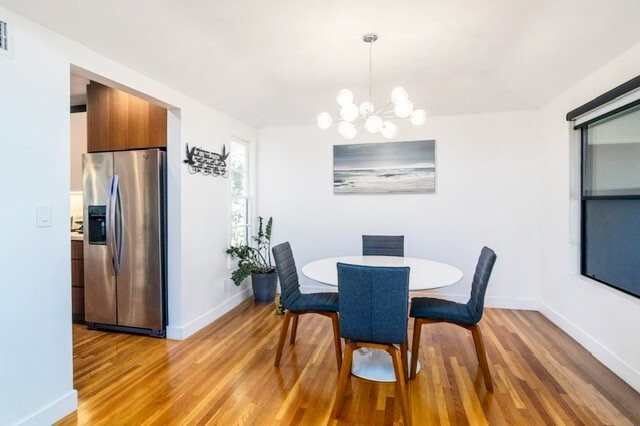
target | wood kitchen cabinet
x=77, y=281
x=117, y=121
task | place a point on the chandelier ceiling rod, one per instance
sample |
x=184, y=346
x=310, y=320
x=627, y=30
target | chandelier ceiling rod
x=370, y=67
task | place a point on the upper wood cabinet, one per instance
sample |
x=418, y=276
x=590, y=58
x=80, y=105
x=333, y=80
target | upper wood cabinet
x=117, y=121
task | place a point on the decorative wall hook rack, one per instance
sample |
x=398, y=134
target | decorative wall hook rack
x=206, y=162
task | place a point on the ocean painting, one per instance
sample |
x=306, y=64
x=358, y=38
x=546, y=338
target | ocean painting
x=389, y=167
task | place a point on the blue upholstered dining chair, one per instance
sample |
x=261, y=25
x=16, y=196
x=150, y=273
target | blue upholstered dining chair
x=430, y=310
x=383, y=245
x=373, y=314
x=297, y=304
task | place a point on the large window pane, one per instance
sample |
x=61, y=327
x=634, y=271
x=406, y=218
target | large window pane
x=238, y=162
x=612, y=243
x=612, y=155
x=239, y=236
x=238, y=156
x=238, y=183
x=239, y=211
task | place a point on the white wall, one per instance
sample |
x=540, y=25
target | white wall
x=35, y=302
x=78, y=147
x=35, y=290
x=207, y=291
x=486, y=194
x=602, y=319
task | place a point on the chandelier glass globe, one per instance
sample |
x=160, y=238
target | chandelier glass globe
x=418, y=117
x=351, y=133
x=366, y=108
x=324, y=120
x=345, y=97
x=398, y=95
x=342, y=127
x=389, y=130
x=347, y=130
x=403, y=109
x=349, y=112
x=373, y=124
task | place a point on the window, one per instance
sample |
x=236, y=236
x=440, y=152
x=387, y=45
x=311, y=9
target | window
x=6, y=39
x=4, y=36
x=611, y=198
x=238, y=163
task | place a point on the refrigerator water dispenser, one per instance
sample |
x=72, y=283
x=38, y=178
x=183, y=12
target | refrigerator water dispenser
x=97, y=224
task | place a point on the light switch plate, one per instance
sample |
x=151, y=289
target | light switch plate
x=43, y=215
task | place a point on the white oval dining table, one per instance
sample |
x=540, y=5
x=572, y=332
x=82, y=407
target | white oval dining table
x=374, y=364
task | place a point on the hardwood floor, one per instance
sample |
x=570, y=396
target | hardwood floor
x=224, y=375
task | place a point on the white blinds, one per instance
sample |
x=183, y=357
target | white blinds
x=617, y=103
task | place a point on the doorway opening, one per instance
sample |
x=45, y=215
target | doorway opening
x=118, y=206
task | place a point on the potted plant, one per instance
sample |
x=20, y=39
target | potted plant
x=256, y=262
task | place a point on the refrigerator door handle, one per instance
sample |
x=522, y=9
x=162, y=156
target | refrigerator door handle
x=110, y=217
x=111, y=220
x=118, y=237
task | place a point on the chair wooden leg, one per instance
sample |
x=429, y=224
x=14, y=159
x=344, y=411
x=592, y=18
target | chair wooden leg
x=405, y=362
x=401, y=385
x=482, y=356
x=283, y=337
x=337, y=342
x=294, y=329
x=415, y=347
x=343, y=379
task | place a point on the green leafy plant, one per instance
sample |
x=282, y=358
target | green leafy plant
x=256, y=260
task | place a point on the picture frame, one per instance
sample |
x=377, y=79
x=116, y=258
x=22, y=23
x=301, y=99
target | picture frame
x=385, y=168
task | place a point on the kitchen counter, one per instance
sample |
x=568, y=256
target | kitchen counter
x=76, y=236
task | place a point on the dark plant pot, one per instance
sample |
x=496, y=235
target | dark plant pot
x=264, y=287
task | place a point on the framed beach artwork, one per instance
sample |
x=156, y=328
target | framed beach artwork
x=390, y=167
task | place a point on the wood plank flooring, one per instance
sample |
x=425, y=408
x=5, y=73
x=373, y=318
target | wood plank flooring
x=224, y=375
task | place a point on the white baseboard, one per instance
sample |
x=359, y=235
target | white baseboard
x=512, y=303
x=53, y=412
x=493, y=302
x=489, y=301
x=597, y=349
x=183, y=332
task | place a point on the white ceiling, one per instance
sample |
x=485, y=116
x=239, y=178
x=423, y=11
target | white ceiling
x=280, y=62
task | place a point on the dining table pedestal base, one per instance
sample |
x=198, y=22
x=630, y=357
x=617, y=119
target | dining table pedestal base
x=375, y=365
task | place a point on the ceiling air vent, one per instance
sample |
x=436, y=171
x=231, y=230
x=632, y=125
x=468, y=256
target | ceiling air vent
x=6, y=39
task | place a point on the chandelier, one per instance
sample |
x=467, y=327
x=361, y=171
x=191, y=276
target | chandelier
x=374, y=120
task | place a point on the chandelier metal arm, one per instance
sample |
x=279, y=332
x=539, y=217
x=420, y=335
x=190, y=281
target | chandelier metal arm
x=382, y=110
x=359, y=122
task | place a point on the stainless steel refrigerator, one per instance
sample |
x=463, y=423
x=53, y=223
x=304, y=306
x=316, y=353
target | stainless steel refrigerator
x=124, y=241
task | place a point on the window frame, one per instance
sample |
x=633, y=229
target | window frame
x=8, y=38
x=584, y=140
x=248, y=197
